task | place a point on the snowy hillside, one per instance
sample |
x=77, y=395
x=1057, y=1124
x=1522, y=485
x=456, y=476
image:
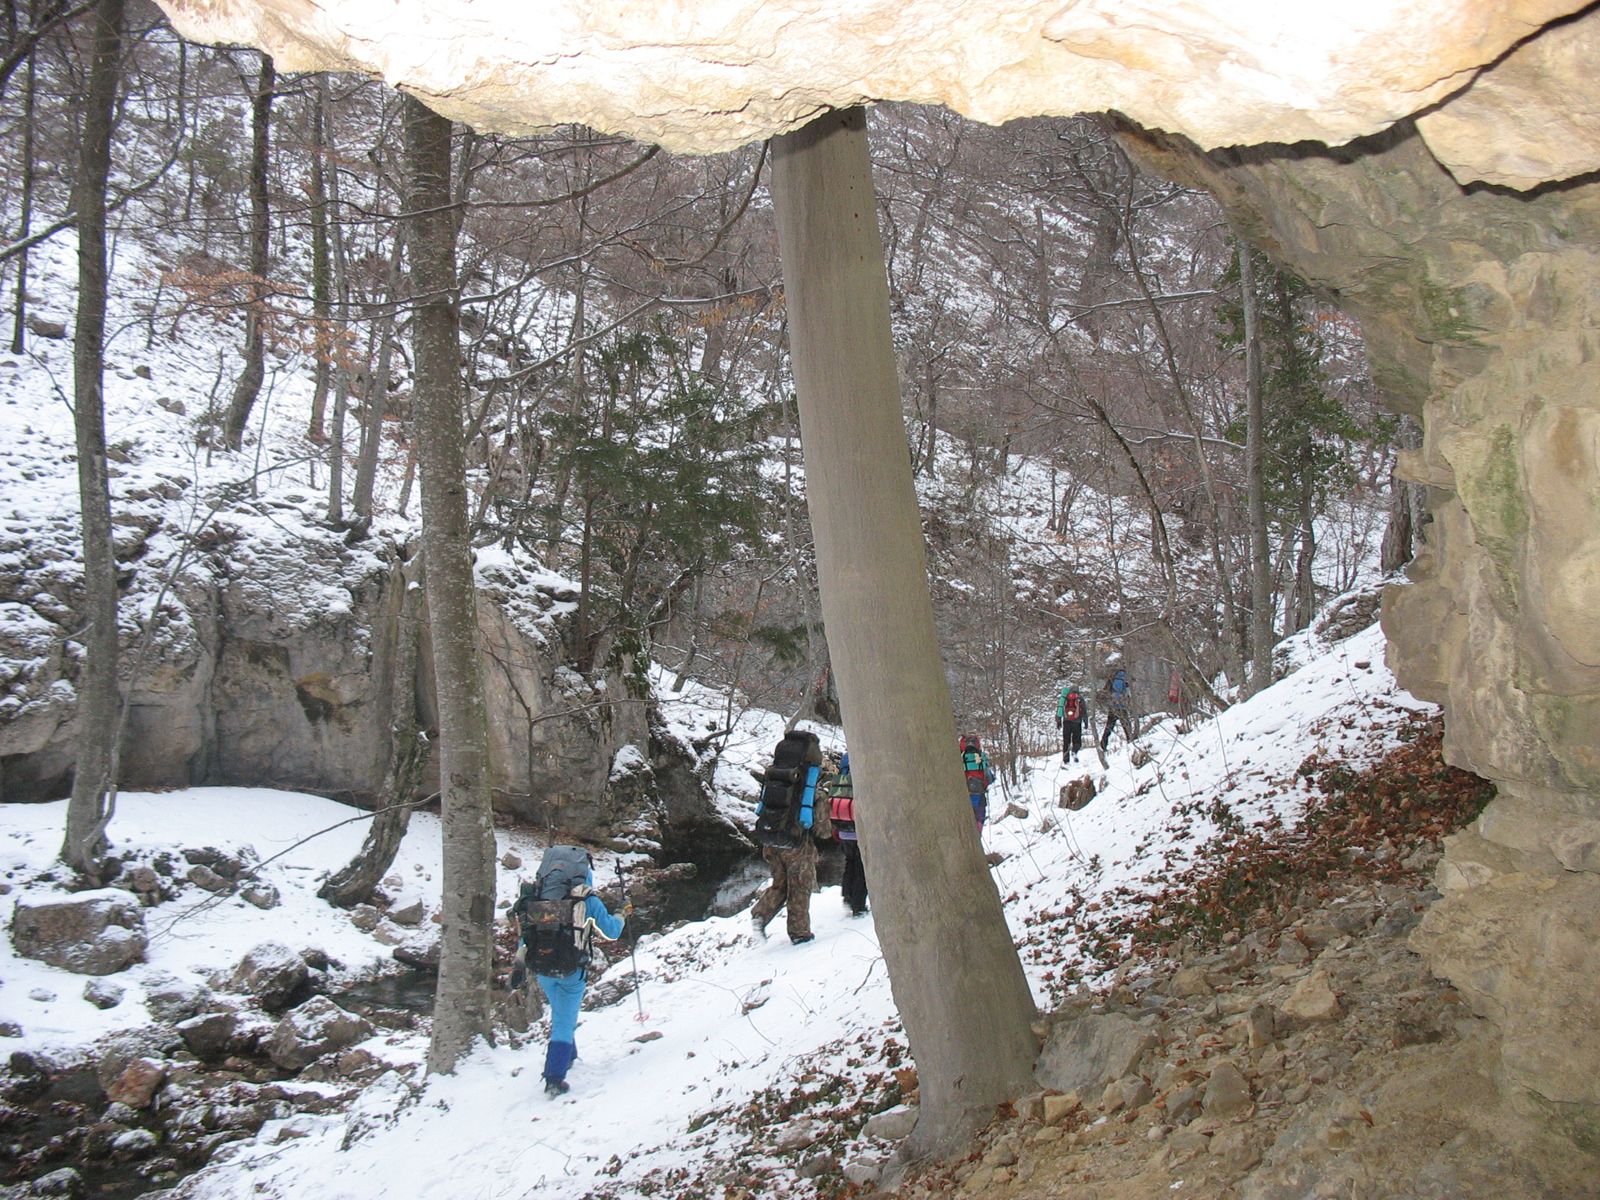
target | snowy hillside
x=753, y=1039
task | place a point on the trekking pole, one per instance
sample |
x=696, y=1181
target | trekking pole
x=633, y=947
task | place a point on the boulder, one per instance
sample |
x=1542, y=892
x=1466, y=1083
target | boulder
x=138, y=1082
x=1227, y=1093
x=152, y=1042
x=89, y=933
x=863, y=1172
x=365, y=918
x=209, y=1035
x=262, y=895
x=424, y=957
x=315, y=1028
x=892, y=1125
x=798, y=1136
x=172, y=999
x=1191, y=981
x=1091, y=1050
x=408, y=911
x=1183, y=1105
x=204, y=877
x=272, y=973
x=1057, y=1108
x=1313, y=999
x=103, y=993
x=818, y=1165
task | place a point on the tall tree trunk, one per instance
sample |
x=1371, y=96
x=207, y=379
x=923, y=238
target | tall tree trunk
x=1261, y=606
x=25, y=218
x=461, y=1014
x=94, y=773
x=321, y=271
x=1400, y=533
x=1305, y=591
x=943, y=931
x=255, y=335
x=377, y=398
x=352, y=884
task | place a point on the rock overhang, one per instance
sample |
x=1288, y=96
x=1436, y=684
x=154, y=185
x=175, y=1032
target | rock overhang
x=704, y=76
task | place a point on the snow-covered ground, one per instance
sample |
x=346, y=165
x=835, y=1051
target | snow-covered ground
x=738, y=1022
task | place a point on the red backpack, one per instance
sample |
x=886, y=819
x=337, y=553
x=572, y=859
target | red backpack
x=1073, y=709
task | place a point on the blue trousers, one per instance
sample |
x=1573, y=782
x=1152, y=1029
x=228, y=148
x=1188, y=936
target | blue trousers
x=566, y=998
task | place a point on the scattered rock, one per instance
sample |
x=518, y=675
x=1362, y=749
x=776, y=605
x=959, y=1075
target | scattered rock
x=262, y=895
x=53, y=330
x=1077, y=794
x=1186, y=1144
x=1235, y=1147
x=423, y=957
x=42, y=995
x=102, y=993
x=1191, y=981
x=313, y=1029
x=1292, y=950
x=1227, y=1092
x=863, y=1172
x=272, y=973
x=510, y=861
x=798, y=1136
x=137, y=1083
x=1132, y=1092
x=1183, y=1105
x=97, y=932
x=1262, y=1026
x=210, y=1035
x=171, y=999
x=892, y=1125
x=1056, y=1108
x=1313, y=999
x=408, y=911
x=1017, y=811
x=364, y=917
x=1091, y=1050
x=203, y=876
x=818, y=1165
x=994, y=858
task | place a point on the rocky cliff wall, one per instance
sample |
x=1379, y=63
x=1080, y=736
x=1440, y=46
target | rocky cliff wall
x=274, y=665
x=1481, y=308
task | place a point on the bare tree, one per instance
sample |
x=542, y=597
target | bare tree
x=256, y=316
x=462, y=1012
x=94, y=775
x=944, y=934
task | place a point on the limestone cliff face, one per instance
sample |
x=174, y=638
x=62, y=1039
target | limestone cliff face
x=275, y=666
x=1482, y=314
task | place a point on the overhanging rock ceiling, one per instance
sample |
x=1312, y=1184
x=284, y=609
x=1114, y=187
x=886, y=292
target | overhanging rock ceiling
x=700, y=76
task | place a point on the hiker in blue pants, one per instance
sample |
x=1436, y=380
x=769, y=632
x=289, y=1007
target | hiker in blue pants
x=556, y=936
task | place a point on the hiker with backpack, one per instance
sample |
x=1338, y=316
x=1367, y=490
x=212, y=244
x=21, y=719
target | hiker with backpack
x=1118, y=692
x=559, y=918
x=979, y=776
x=842, y=812
x=1071, y=712
x=792, y=821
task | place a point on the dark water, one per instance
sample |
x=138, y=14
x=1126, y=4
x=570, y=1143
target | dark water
x=68, y=1101
x=409, y=993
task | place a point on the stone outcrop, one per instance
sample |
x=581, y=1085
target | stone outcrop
x=91, y=933
x=277, y=668
x=708, y=77
x=1479, y=308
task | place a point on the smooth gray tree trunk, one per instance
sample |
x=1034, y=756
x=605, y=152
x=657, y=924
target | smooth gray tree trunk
x=1261, y=606
x=94, y=772
x=462, y=1010
x=955, y=974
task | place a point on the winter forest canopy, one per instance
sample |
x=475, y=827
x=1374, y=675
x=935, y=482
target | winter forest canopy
x=1057, y=313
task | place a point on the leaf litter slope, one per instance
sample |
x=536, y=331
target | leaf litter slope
x=756, y=1038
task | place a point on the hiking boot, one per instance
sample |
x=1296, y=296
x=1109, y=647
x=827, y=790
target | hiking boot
x=802, y=940
x=858, y=912
x=556, y=1087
